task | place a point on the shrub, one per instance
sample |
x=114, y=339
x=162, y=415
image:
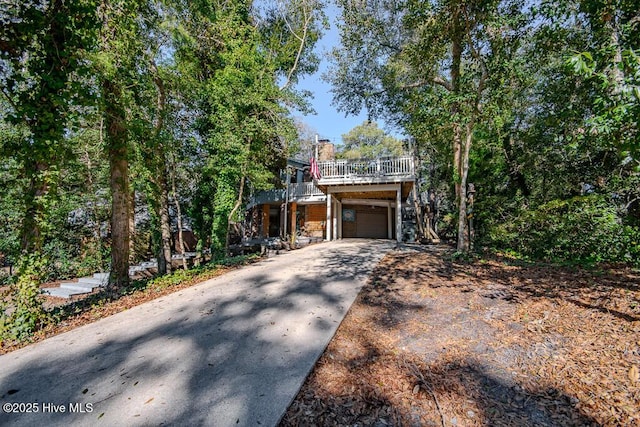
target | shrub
x=21, y=312
x=584, y=229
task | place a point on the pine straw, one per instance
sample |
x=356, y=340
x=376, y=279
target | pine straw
x=432, y=342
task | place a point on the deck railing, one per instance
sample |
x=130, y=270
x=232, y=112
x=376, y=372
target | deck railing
x=267, y=196
x=343, y=169
x=303, y=190
x=299, y=191
x=333, y=172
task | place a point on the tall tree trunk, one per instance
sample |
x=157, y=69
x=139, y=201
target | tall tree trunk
x=463, y=225
x=42, y=110
x=176, y=201
x=233, y=212
x=164, y=261
x=615, y=70
x=117, y=151
x=419, y=213
x=460, y=159
x=32, y=239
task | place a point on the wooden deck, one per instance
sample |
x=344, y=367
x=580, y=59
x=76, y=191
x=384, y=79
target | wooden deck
x=367, y=177
x=373, y=173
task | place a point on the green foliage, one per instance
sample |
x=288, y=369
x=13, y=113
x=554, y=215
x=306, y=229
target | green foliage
x=87, y=86
x=368, y=141
x=586, y=229
x=21, y=314
x=435, y=68
x=11, y=210
x=610, y=58
x=192, y=275
x=242, y=123
x=43, y=53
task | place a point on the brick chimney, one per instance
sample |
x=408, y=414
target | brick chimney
x=326, y=150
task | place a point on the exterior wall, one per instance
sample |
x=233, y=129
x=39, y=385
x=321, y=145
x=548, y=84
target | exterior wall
x=317, y=208
x=314, y=219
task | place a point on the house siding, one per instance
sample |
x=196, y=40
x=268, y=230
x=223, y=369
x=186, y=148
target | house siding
x=314, y=219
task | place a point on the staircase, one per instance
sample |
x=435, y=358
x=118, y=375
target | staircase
x=84, y=285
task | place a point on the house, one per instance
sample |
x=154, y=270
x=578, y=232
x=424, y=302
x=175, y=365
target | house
x=352, y=198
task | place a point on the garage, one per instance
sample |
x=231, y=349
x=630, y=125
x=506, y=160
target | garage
x=368, y=222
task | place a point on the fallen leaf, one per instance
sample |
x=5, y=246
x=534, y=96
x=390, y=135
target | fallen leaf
x=633, y=374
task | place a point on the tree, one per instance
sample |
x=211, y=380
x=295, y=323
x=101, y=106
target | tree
x=302, y=147
x=411, y=60
x=368, y=141
x=610, y=57
x=42, y=47
x=546, y=172
x=241, y=69
x=117, y=61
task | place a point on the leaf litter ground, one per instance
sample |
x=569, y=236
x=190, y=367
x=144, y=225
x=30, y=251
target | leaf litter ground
x=433, y=342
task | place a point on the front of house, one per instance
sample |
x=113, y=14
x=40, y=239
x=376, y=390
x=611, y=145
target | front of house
x=350, y=199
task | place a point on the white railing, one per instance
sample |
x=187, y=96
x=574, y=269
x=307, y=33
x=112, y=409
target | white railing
x=337, y=169
x=303, y=190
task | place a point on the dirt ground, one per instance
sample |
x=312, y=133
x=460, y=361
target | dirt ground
x=432, y=342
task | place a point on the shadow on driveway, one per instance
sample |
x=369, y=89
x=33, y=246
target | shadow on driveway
x=231, y=351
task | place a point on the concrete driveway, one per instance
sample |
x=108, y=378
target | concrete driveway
x=231, y=351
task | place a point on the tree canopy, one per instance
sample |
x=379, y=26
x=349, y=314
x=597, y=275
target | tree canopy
x=122, y=109
x=368, y=141
x=535, y=103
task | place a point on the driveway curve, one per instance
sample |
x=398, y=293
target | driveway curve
x=231, y=351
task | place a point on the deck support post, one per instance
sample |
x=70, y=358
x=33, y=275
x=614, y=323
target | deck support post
x=339, y=235
x=328, y=225
x=294, y=209
x=389, y=222
x=336, y=205
x=265, y=220
x=399, y=214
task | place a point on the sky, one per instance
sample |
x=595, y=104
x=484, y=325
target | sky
x=327, y=122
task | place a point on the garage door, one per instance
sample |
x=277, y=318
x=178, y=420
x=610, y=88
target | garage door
x=371, y=225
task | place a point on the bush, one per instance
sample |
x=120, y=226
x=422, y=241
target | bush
x=583, y=229
x=6, y=279
x=21, y=311
x=67, y=262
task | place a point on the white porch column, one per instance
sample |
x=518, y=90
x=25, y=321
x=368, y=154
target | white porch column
x=328, y=225
x=399, y=214
x=336, y=203
x=339, y=235
x=389, y=222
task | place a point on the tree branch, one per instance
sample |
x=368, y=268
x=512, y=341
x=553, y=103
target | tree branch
x=441, y=81
x=303, y=39
x=483, y=66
